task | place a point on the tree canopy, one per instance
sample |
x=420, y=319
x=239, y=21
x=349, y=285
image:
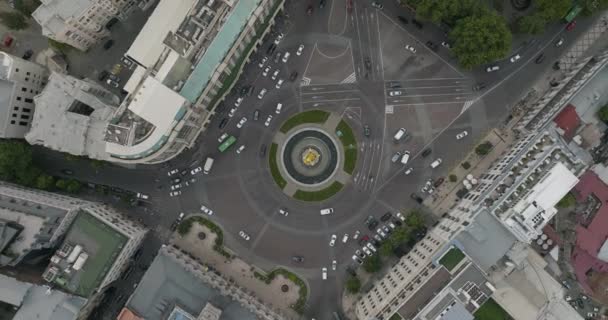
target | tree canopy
x=372, y=264
x=353, y=284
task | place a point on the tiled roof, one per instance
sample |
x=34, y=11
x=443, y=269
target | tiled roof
x=568, y=121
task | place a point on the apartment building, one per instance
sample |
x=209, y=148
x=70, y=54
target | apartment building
x=20, y=81
x=72, y=115
x=189, y=55
x=80, y=23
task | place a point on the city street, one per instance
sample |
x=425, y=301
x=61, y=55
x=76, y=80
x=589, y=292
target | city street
x=352, y=64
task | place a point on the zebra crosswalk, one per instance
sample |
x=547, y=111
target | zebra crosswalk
x=350, y=79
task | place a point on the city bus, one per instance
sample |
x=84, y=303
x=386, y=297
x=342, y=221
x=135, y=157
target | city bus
x=574, y=11
x=227, y=143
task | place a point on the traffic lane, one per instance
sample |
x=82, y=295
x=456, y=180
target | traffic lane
x=314, y=249
x=427, y=83
x=421, y=98
x=321, y=88
x=330, y=96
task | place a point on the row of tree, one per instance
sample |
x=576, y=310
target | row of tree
x=17, y=166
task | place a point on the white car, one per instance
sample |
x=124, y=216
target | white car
x=357, y=259
x=356, y=235
x=395, y=93
x=286, y=57
x=181, y=216
x=410, y=48
x=241, y=122
x=371, y=247
x=240, y=149
x=360, y=254
x=279, y=38
x=263, y=62
x=238, y=101
x=492, y=68
x=176, y=186
x=196, y=170
x=275, y=74
x=279, y=108
x=408, y=171
x=515, y=58
x=267, y=122
x=244, y=235
x=345, y=238
x=332, y=242
x=327, y=211
x=175, y=193
x=283, y=212
x=300, y=50
x=334, y=265
x=142, y=196
x=206, y=210
x=262, y=93
x=462, y=135
x=222, y=137
x=367, y=251
x=172, y=172
x=381, y=233
x=279, y=83
x=265, y=72
x=231, y=113
x=377, y=5
x=324, y=273
x=400, y=216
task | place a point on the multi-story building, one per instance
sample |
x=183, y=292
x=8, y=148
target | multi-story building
x=176, y=286
x=20, y=81
x=72, y=115
x=189, y=55
x=80, y=23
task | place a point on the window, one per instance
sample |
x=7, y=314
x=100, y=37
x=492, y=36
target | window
x=29, y=100
x=18, y=98
x=27, y=73
x=14, y=115
x=22, y=123
x=27, y=110
x=12, y=121
x=25, y=117
x=16, y=108
x=16, y=69
x=23, y=89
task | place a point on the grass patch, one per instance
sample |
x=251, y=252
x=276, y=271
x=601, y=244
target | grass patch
x=350, y=146
x=451, y=258
x=490, y=310
x=218, y=246
x=319, y=195
x=395, y=316
x=312, y=116
x=303, y=292
x=274, y=167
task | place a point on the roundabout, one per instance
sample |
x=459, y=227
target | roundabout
x=309, y=159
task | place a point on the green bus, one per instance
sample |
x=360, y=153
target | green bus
x=227, y=143
x=574, y=11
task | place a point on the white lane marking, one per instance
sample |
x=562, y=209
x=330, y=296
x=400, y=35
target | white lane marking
x=380, y=47
x=426, y=103
x=350, y=79
x=334, y=100
x=326, y=92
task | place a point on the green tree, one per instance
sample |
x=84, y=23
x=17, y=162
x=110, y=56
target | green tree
x=552, y=10
x=45, y=182
x=26, y=6
x=13, y=20
x=414, y=219
x=531, y=24
x=484, y=148
x=603, y=113
x=61, y=184
x=448, y=11
x=480, y=40
x=567, y=201
x=386, y=248
x=353, y=284
x=592, y=6
x=400, y=236
x=372, y=264
x=72, y=186
x=15, y=159
x=453, y=178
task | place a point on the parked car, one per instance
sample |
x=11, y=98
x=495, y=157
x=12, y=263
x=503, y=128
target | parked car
x=275, y=74
x=263, y=62
x=28, y=54
x=265, y=72
x=300, y=50
x=263, y=150
x=416, y=198
x=515, y=58
x=223, y=123
x=395, y=93
x=283, y=212
x=279, y=37
x=222, y=137
x=172, y=172
x=492, y=68
x=385, y=217
x=298, y=259
x=403, y=19
x=408, y=171
x=410, y=48
x=175, y=193
x=240, y=149
x=244, y=235
x=112, y=83
x=262, y=93
x=293, y=76
x=241, y=122
x=559, y=42
x=332, y=241
x=206, y=210
x=462, y=135
x=433, y=46
x=571, y=25
x=540, y=58
x=268, y=119
x=196, y=170
x=108, y=44
x=286, y=57
x=366, y=131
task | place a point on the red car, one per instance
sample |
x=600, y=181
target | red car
x=571, y=25
x=363, y=240
x=8, y=40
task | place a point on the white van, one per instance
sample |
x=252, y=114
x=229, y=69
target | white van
x=400, y=133
x=405, y=158
x=436, y=163
x=208, y=165
x=327, y=211
x=279, y=107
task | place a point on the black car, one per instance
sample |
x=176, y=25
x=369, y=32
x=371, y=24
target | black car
x=432, y=46
x=176, y=180
x=108, y=44
x=368, y=63
x=321, y=4
x=293, y=76
x=68, y=172
x=479, y=86
x=540, y=58
x=250, y=90
x=27, y=55
x=417, y=23
x=385, y=217
x=403, y=19
x=366, y=131
x=263, y=150
x=223, y=123
x=416, y=198
x=395, y=85
x=297, y=259
x=102, y=75
x=256, y=114
x=372, y=225
x=271, y=49
x=426, y=152
x=375, y=242
x=244, y=90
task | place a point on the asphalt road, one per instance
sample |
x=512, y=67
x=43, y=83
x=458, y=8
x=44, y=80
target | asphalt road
x=436, y=103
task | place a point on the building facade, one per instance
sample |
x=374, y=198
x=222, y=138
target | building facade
x=80, y=23
x=20, y=81
x=72, y=115
x=186, y=65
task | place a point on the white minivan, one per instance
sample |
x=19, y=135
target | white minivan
x=278, y=109
x=327, y=211
x=405, y=158
x=400, y=133
x=436, y=163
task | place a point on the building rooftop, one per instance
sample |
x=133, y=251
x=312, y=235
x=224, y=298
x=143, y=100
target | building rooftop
x=568, y=121
x=217, y=50
x=98, y=241
x=38, y=302
x=167, y=287
x=51, y=14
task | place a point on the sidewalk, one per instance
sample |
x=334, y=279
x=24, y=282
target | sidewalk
x=238, y=271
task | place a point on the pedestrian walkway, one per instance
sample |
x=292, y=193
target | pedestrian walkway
x=238, y=271
x=585, y=42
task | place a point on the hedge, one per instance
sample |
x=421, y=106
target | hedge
x=319, y=195
x=312, y=116
x=303, y=293
x=184, y=227
x=274, y=168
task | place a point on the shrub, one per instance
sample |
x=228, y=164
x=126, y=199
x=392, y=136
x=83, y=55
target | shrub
x=353, y=284
x=484, y=148
x=567, y=201
x=13, y=20
x=465, y=165
x=453, y=178
x=184, y=227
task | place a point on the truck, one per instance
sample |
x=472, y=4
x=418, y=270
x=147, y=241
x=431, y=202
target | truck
x=208, y=165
